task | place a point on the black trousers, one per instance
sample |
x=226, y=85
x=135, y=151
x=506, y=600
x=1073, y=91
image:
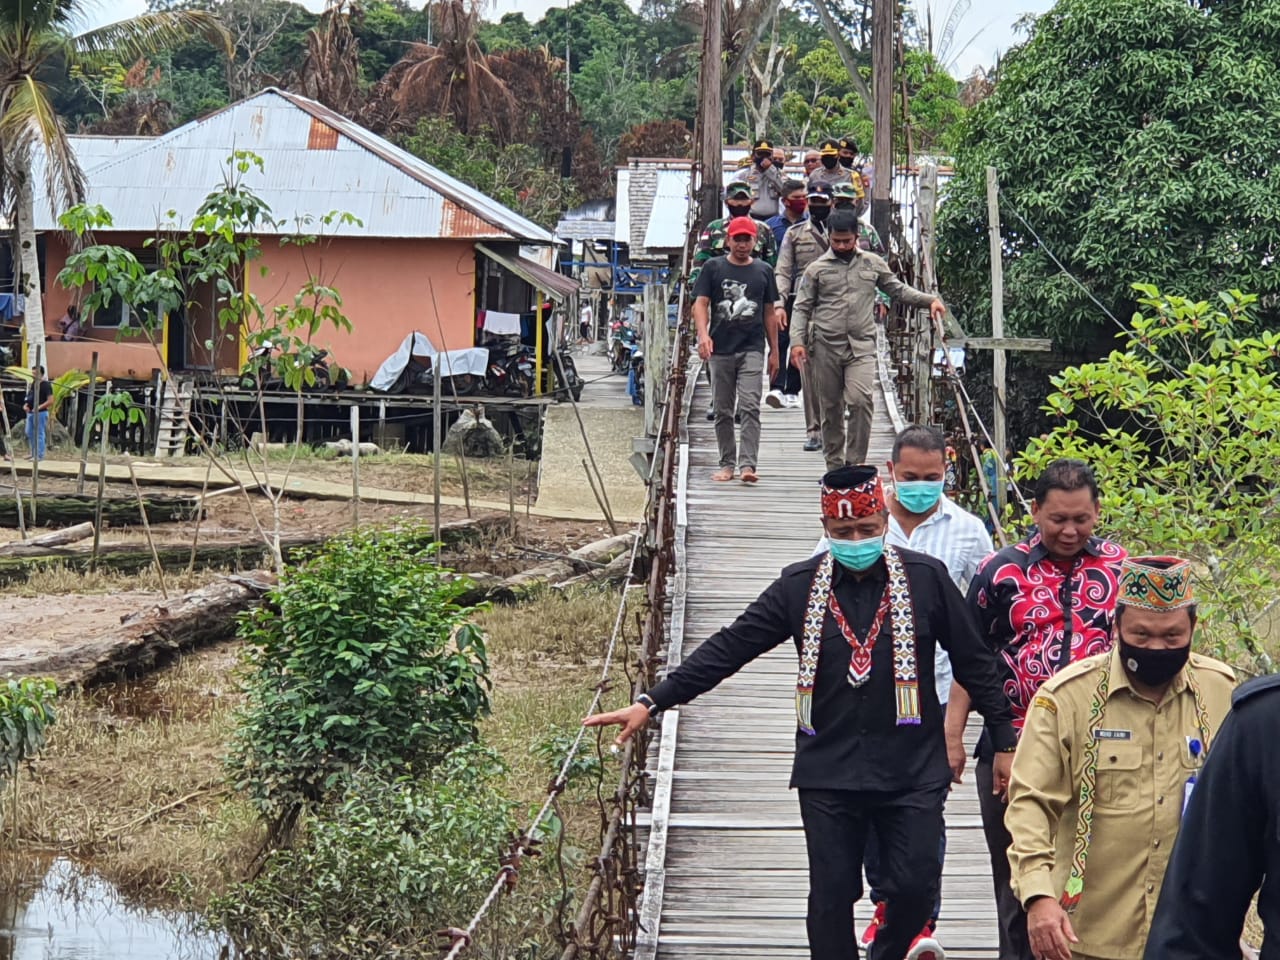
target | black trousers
x=908, y=826
x=1010, y=917
x=787, y=379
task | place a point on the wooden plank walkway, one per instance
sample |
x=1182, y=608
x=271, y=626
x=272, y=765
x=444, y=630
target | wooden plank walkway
x=727, y=868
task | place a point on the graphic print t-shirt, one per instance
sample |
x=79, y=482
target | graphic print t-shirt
x=739, y=296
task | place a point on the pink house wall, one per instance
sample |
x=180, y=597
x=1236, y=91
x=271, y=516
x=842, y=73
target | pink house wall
x=386, y=287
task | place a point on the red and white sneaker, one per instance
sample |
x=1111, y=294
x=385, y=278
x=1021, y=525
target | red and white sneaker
x=925, y=947
x=877, y=921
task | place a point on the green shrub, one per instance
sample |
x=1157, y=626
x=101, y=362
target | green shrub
x=26, y=712
x=359, y=659
x=382, y=869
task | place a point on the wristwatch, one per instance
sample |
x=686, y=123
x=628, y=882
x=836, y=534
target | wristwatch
x=647, y=701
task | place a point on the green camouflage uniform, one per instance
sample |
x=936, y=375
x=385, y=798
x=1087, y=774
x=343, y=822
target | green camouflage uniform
x=712, y=243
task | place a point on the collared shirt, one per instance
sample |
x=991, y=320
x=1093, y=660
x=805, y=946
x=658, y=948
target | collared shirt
x=1144, y=762
x=858, y=744
x=835, y=303
x=799, y=248
x=1017, y=596
x=836, y=175
x=781, y=224
x=956, y=537
x=768, y=185
x=1228, y=846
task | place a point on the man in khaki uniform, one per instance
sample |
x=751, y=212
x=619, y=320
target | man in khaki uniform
x=1109, y=753
x=833, y=327
x=830, y=172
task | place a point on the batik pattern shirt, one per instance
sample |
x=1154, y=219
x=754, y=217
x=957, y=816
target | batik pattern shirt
x=1040, y=614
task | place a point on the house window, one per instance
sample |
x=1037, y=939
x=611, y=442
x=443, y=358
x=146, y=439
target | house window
x=115, y=314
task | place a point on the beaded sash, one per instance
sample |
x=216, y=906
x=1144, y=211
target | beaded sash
x=903, y=627
x=1089, y=780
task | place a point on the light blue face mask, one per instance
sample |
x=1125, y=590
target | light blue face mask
x=918, y=496
x=856, y=554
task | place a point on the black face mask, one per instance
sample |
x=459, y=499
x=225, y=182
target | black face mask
x=739, y=209
x=847, y=162
x=845, y=255
x=819, y=212
x=844, y=204
x=1154, y=668
x=830, y=162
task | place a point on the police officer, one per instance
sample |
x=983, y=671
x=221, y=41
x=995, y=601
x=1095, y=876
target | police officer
x=800, y=247
x=833, y=327
x=831, y=172
x=738, y=198
x=1109, y=745
x=1229, y=843
x=765, y=177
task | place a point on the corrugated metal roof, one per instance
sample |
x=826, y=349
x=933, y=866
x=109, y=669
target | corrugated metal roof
x=553, y=284
x=585, y=229
x=391, y=192
x=669, y=218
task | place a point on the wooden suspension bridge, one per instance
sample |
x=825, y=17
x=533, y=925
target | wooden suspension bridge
x=725, y=865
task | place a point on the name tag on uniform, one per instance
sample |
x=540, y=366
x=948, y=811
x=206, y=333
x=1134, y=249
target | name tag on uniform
x=1113, y=734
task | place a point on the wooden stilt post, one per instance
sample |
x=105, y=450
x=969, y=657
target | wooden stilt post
x=88, y=422
x=997, y=330
x=355, y=465
x=436, y=444
x=883, y=19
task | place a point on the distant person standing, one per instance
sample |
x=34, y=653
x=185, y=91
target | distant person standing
x=765, y=177
x=830, y=172
x=36, y=406
x=833, y=327
x=812, y=161
x=795, y=204
x=736, y=309
x=784, y=388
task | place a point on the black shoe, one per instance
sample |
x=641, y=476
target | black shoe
x=812, y=444
x=711, y=414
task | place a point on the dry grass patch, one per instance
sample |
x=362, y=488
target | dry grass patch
x=59, y=581
x=133, y=780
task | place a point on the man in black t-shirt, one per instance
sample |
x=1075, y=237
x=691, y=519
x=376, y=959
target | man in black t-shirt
x=736, y=308
x=36, y=406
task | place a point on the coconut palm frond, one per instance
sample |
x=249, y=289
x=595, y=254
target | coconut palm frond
x=150, y=33
x=37, y=16
x=30, y=124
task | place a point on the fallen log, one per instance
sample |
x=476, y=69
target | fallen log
x=24, y=559
x=59, y=538
x=592, y=556
x=613, y=572
x=67, y=509
x=149, y=638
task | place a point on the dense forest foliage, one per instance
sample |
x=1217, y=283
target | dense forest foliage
x=491, y=102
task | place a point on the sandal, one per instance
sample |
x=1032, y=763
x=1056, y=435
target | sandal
x=723, y=475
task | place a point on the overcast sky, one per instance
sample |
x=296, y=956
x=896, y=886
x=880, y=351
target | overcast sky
x=989, y=23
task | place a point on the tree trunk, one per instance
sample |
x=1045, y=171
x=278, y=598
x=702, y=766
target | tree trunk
x=33, y=322
x=62, y=510
x=59, y=538
x=711, y=115
x=149, y=638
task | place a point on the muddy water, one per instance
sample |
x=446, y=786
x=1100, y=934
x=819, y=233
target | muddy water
x=71, y=914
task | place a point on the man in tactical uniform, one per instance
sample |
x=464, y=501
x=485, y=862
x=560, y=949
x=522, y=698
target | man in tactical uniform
x=738, y=198
x=800, y=247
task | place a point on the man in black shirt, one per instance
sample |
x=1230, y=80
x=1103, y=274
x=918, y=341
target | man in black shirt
x=36, y=406
x=870, y=749
x=736, y=307
x=1228, y=847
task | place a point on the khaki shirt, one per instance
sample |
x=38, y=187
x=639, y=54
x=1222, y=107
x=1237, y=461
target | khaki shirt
x=768, y=187
x=1143, y=766
x=801, y=245
x=835, y=302
x=831, y=177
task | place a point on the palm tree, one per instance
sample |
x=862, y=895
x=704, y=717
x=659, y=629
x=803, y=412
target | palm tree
x=37, y=38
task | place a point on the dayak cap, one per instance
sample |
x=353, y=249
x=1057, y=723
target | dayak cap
x=741, y=226
x=739, y=188
x=852, y=492
x=1156, y=583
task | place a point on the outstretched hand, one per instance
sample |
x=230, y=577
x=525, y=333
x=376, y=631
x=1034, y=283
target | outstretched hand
x=632, y=719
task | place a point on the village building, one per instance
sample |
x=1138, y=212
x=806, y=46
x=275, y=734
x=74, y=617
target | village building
x=426, y=252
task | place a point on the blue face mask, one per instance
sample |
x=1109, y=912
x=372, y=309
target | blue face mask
x=856, y=554
x=918, y=496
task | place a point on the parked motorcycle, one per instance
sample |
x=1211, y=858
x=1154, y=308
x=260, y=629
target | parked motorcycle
x=510, y=372
x=264, y=369
x=567, y=377
x=623, y=339
x=635, y=376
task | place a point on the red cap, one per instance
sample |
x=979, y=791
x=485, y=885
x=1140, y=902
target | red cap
x=741, y=225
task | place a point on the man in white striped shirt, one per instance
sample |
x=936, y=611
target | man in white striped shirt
x=922, y=518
